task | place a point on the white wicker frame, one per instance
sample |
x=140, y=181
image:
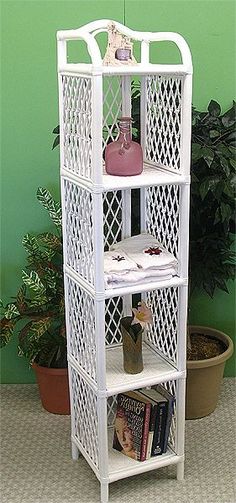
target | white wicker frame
x=97, y=213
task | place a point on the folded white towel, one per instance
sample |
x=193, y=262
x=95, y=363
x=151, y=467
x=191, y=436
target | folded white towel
x=146, y=252
x=136, y=277
x=116, y=261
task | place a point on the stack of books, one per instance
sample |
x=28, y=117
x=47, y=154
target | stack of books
x=142, y=422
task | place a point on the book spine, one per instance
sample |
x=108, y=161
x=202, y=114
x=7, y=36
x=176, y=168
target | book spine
x=151, y=430
x=158, y=439
x=145, y=432
x=168, y=422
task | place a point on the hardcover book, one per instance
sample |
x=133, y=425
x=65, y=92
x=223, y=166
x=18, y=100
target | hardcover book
x=171, y=401
x=159, y=418
x=132, y=425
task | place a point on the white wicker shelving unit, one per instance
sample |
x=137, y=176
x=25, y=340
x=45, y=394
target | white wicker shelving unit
x=97, y=213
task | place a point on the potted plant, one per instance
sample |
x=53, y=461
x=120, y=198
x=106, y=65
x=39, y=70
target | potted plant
x=211, y=256
x=38, y=312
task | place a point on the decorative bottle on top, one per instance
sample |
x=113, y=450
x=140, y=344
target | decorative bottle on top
x=124, y=157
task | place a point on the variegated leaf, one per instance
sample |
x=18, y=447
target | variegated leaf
x=20, y=298
x=38, y=328
x=11, y=311
x=6, y=331
x=40, y=300
x=53, y=207
x=30, y=243
x=50, y=240
x=51, y=278
x=33, y=281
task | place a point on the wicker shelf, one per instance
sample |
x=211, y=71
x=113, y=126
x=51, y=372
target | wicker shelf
x=139, y=69
x=97, y=213
x=121, y=466
x=156, y=370
x=109, y=293
x=148, y=178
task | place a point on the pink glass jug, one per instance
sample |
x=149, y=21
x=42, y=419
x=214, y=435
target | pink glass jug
x=124, y=157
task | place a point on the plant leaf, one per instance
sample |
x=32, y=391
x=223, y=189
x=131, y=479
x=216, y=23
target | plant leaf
x=233, y=163
x=38, y=328
x=56, y=142
x=214, y=108
x=53, y=207
x=11, y=311
x=196, y=151
x=226, y=211
x=214, y=133
x=229, y=118
x=50, y=240
x=56, y=130
x=204, y=187
x=208, y=155
x=33, y=281
x=222, y=284
x=30, y=243
x=20, y=298
x=7, y=327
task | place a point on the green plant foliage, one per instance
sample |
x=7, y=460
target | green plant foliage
x=53, y=207
x=212, y=218
x=39, y=302
x=33, y=281
x=56, y=142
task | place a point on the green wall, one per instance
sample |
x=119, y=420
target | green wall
x=30, y=112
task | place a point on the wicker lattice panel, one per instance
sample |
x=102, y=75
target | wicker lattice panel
x=162, y=215
x=162, y=334
x=171, y=387
x=77, y=116
x=84, y=404
x=111, y=409
x=113, y=314
x=112, y=106
x=112, y=224
x=81, y=314
x=79, y=230
x=163, y=121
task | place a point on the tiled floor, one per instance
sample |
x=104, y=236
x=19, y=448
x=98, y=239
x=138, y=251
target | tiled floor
x=37, y=467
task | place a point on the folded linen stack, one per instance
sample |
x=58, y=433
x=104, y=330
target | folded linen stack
x=135, y=259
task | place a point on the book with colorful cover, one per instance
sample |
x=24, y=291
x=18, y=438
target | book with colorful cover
x=171, y=401
x=146, y=426
x=132, y=425
x=152, y=423
x=159, y=418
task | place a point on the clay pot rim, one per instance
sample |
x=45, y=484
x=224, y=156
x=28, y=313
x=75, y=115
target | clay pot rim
x=49, y=370
x=216, y=360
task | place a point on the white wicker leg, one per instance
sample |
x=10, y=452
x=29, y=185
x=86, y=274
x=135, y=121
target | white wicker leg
x=74, y=451
x=180, y=471
x=104, y=492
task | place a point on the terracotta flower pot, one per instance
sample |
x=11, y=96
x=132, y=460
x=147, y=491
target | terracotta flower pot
x=132, y=349
x=53, y=389
x=204, y=377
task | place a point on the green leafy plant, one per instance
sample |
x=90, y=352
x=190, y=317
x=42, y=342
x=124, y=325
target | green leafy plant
x=37, y=312
x=212, y=218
